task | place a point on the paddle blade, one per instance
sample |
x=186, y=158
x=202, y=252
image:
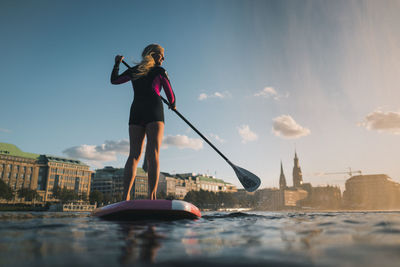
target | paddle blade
x=249, y=180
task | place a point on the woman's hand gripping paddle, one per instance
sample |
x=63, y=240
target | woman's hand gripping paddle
x=249, y=180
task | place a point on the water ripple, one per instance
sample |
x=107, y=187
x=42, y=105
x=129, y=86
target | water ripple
x=217, y=239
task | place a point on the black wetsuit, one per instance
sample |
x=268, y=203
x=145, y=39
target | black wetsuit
x=147, y=105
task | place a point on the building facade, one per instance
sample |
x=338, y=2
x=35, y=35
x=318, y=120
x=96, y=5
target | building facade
x=323, y=197
x=18, y=169
x=64, y=173
x=179, y=185
x=300, y=195
x=373, y=192
x=42, y=173
x=270, y=199
x=110, y=182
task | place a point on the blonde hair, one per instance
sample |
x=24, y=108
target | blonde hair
x=147, y=62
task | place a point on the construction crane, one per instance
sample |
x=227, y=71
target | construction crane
x=350, y=172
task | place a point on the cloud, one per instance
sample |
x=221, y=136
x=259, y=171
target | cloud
x=89, y=152
x=286, y=127
x=108, y=151
x=5, y=130
x=104, y=152
x=219, y=139
x=388, y=122
x=204, y=96
x=121, y=146
x=271, y=92
x=182, y=141
x=246, y=134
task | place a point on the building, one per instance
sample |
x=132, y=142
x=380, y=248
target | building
x=19, y=169
x=65, y=173
x=300, y=195
x=110, y=182
x=269, y=199
x=141, y=185
x=323, y=197
x=179, y=185
x=282, y=179
x=374, y=192
x=292, y=197
x=297, y=174
x=289, y=197
x=42, y=173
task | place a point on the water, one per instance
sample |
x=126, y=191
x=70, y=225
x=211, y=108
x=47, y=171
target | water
x=217, y=239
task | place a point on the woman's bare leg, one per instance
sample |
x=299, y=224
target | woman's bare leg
x=136, y=138
x=154, y=134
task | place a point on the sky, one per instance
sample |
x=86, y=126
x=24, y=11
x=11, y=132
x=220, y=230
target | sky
x=260, y=79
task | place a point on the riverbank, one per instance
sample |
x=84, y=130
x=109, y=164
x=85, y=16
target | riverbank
x=23, y=207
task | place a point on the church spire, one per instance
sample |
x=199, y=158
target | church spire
x=297, y=175
x=282, y=179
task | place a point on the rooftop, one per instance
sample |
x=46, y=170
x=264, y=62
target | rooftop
x=370, y=177
x=13, y=150
x=63, y=160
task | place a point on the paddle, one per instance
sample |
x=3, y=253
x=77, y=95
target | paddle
x=249, y=180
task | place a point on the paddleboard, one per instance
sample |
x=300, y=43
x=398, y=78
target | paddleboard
x=160, y=209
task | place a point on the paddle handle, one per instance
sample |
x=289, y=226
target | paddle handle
x=191, y=126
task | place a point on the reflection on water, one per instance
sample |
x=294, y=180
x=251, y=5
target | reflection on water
x=223, y=239
x=139, y=245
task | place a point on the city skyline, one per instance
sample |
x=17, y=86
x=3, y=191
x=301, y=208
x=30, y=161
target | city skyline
x=14, y=151
x=259, y=78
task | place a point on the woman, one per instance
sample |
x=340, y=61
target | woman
x=146, y=114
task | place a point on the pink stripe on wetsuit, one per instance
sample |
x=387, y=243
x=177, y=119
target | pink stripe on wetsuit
x=159, y=81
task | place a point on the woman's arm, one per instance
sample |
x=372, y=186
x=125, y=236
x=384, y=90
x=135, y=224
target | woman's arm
x=115, y=77
x=161, y=80
x=168, y=90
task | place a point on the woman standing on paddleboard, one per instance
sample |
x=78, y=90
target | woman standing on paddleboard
x=146, y=115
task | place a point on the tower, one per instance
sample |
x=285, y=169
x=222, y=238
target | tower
x=297, y=175
x=282, y=179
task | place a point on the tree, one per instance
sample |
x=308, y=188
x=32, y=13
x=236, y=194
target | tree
x=96, y=196
x=83, y=196
x=68, y=195
x=211, y=200
x=170, y=197
x=5, y=191
x=161, y=195
x=28, y=194
x=56, y=191
x=118, y=197
x=107, y=198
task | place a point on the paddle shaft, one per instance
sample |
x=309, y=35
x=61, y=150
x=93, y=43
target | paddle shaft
x=197, y=131
x=191, y=126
